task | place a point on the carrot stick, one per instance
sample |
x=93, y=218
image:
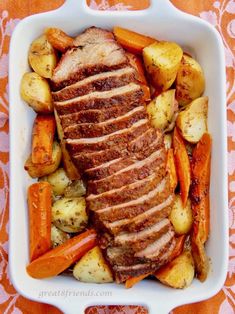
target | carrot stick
x=39, y=204
x=200, y=185
x=132, y=41
x=42, y=139
x=137, y=64
x=170, y=167
x=60, y=258
x=182, y=165
x=178, y=247
x=58, y=39
x=134, y=280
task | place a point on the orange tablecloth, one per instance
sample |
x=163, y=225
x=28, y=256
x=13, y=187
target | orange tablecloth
x=221, y=14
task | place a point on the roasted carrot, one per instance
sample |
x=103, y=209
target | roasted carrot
x=137, y=63
x=200, y=167
x=170, y=167
x=182, y=165
x=178, y=247
x=58, y=39
x=42, y=139
x=60, y=258
x=39, y=204
x=134, y=280
x=201, y=203
x=132, y=41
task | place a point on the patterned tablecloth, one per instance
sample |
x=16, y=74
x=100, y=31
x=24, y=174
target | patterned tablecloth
x=221, y=14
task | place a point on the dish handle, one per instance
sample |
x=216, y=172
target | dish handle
x=157, y=7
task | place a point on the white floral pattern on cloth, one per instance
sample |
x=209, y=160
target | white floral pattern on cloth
x=214, y=16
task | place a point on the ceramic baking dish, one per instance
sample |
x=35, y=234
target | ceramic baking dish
x=163, y=21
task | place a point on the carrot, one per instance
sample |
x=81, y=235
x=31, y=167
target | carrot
x=170, y=167
x=134, y=280
x=57, y=260
x=132, y=41
x=200, y=167
x=39, y=204
x=178, y=247
x=58, y=39
x=182, y=165
x=137, y=64
x=42, y=139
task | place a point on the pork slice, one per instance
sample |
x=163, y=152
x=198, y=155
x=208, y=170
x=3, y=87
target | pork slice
x=137, y=241
x=137, y=171
x=157, y=248
x=127, y=192
x=137, y=206
x=96, y=115
x=97, y=165
x=99, y=82
x=130, y=93
x=142, y=221
x=88, y=130
x=121, y=256
x=126, y=135
x=96, y=51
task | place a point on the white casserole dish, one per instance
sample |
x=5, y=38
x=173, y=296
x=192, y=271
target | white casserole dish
x=163, y=21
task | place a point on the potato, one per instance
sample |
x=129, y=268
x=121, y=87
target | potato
x=69, y=214
x=161, y=109
x=75, y=189
x=179, y=273
x=92, y=267
x=37, y=171
x=192, y=122
x=181, y=217
x=59, y=39
x=42, y=57
x=190, y=81
x=58, y=180
x=162, y=61
x=168, y=140
x=35, y=90
x=58, y=236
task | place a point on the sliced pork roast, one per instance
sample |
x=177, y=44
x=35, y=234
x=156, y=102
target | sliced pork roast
x=103, y=115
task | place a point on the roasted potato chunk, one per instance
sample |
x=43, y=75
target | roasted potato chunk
x=192, y=122
x=161, y=109
x=92, y=267
x=190, y=81
x=40, y=170
x=181, y=217
x=179, y=273
x=162, y=61
x=42, y=57
x=58, y=180
x=58, y=236
x=69, y=214
x=35, y=90
x=75, y=189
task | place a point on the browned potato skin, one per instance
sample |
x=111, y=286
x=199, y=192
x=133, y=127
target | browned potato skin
x=179, y=273
x=40, y=170
x=190, y=81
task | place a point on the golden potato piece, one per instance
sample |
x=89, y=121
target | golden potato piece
x=42, y=57
x=162, y=61
x=161, y=109
x=181, y=217
x=35, y=90
x=75, y=189
x=58, y=236
x=58, y=180
x=190, y=81
x=37, y=171
x=92, y=267
x=179, y=273
x=192, y=122
x=69, y=214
